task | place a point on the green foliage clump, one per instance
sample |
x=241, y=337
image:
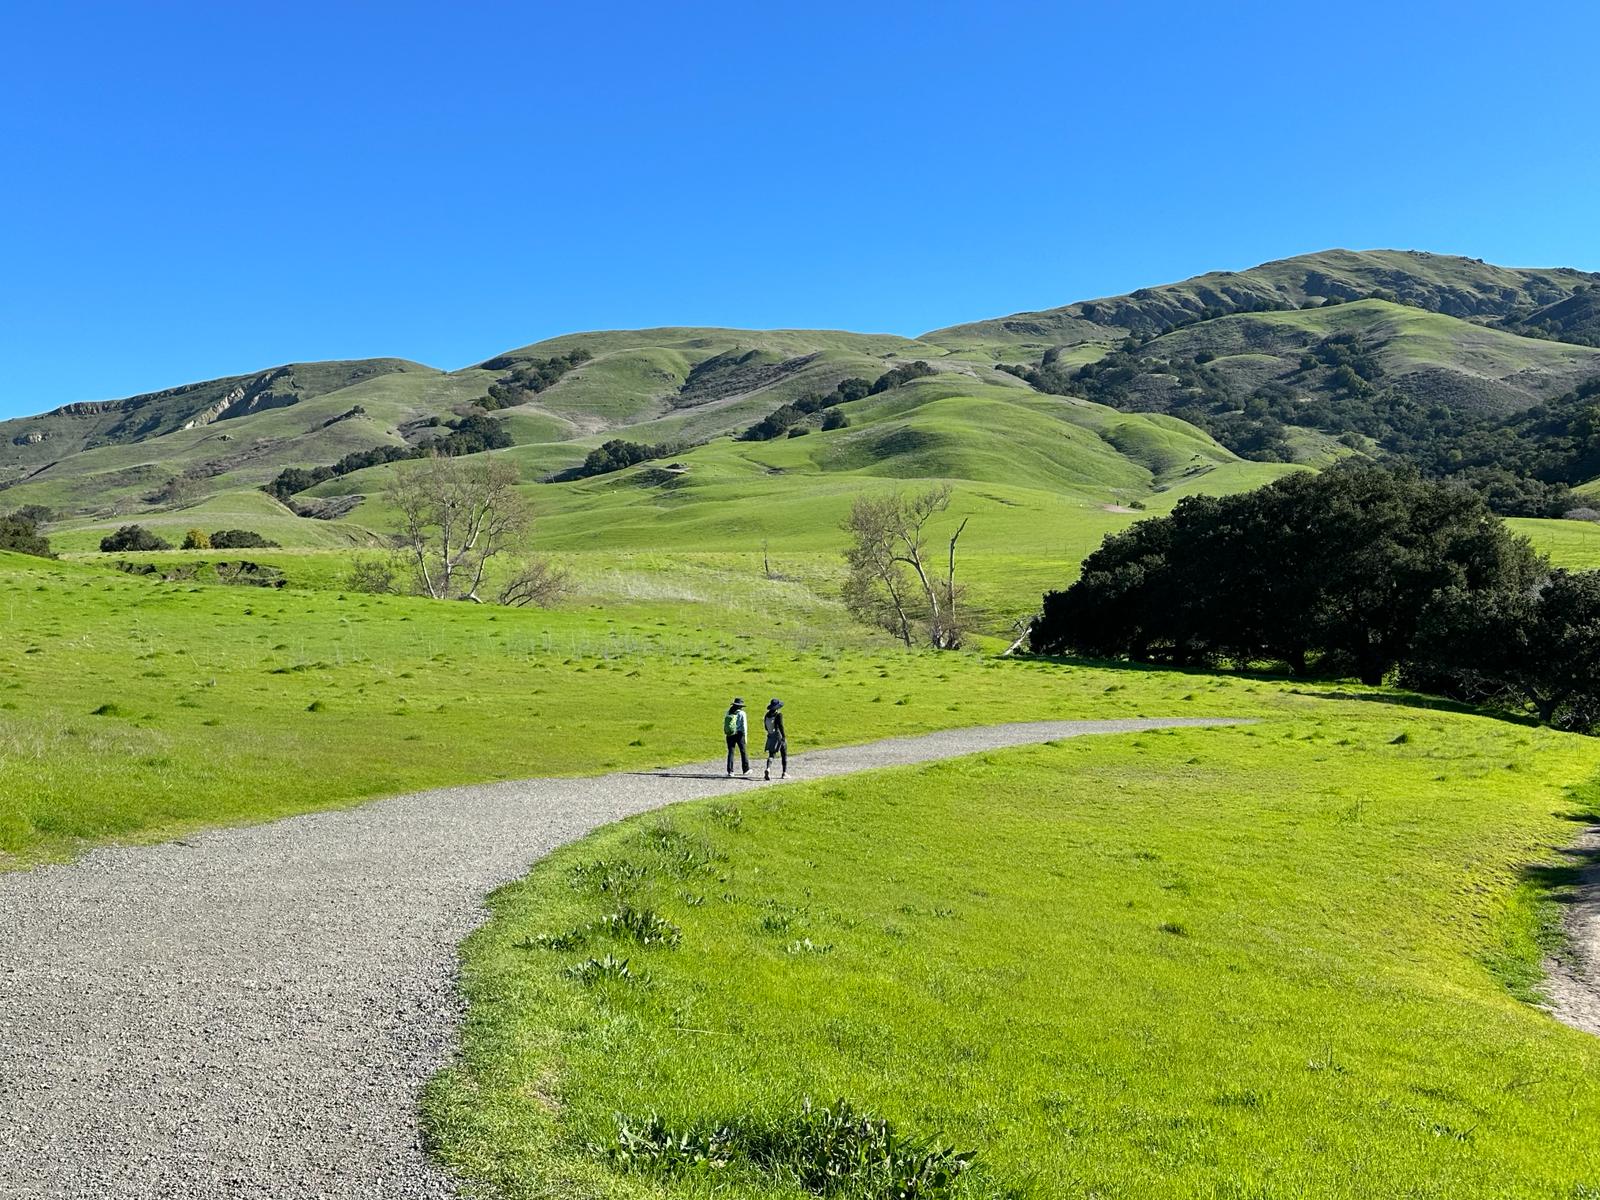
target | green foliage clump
x=830, y=1151
x=602, y=875
x=373, y=574
x=1334, y=569
x=132, y=537
x=469, y=435
x=528, y=379
x=640, y=925
x=619, y=453
x=1528, y=649
x=610, y=968
x=196, y=539
x=20, y=534
x=784, y=419
x=897, y=376
x=241, y=539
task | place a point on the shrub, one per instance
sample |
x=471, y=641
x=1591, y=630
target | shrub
x=132, y=537
x=618, y=454
x=897, y=376
x=1582, y=514
x=537, y=582
x=240, y=539
x=373, y=575
x=773, y=425
x=22, y=536
x=835, y=420
x=196, y=539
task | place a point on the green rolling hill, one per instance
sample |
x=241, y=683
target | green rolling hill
x=1097, y=407
x=1457, y=287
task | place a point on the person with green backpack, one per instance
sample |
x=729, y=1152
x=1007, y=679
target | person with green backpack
x=736, y=727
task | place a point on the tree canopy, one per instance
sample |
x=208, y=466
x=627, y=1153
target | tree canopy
x=1330, y=572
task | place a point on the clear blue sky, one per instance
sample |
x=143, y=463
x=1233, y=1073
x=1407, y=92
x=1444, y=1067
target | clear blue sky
x=192, y=190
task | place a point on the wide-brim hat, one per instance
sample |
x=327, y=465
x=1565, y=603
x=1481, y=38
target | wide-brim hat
x=776, y=703
x=738, y=703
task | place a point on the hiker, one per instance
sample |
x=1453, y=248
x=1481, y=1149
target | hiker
x=777, y=739
x=735, y=725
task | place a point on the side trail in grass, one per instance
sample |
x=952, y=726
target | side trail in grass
x=252, y=1013
x=1574, y=985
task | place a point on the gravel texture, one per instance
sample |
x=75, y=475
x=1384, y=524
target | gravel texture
x=252, y=1012
x=1574, y=972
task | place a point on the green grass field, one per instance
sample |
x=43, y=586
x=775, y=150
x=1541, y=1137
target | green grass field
x=131, y=708
x=1290, y=959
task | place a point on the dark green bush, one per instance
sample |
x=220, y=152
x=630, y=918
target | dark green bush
x=21, y=536
x=132, y=537
x=240, y=539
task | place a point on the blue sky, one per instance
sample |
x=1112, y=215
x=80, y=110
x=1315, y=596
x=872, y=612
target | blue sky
x=197, y=190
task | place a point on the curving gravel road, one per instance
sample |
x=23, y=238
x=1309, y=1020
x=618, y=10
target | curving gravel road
x=251, y=1013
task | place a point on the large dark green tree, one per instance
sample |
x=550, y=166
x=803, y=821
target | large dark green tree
x=1531, y=648
x=20, y=534
x=1328, y=572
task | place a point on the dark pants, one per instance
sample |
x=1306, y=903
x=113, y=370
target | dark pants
x=776, y=747
x=736, y=741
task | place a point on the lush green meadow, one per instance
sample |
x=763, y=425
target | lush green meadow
x=1295, y=958
x=136, y=708
x=1290, y=959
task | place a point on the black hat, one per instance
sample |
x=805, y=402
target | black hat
x=776, y=703
x=738, y=703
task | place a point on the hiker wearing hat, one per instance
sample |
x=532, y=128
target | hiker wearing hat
x=777, y=739
x=734, y=725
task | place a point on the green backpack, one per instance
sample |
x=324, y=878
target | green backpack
x=730, y=722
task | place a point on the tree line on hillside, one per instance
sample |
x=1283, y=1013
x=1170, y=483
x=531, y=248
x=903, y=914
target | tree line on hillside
x=1525, y=464
x=1359, y=570
x=137, y=537
x=472, y=434
x=619, y=453
x=527, y=379
x=786, y=419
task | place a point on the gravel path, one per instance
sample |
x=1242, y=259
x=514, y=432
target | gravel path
x=1574, y=974
x=251, y=1013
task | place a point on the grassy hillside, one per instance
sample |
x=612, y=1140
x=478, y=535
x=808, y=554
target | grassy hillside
x=1454, y=286
x=1439, y=346
x=32, y=443
x=1285, y=959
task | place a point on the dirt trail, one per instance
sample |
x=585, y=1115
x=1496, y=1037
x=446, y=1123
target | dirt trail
x=1574, y=974
x=252, y=1012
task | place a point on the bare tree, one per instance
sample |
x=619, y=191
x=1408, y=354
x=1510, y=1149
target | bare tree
x=455, y=515
x=538, y=582
x=893, y=582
